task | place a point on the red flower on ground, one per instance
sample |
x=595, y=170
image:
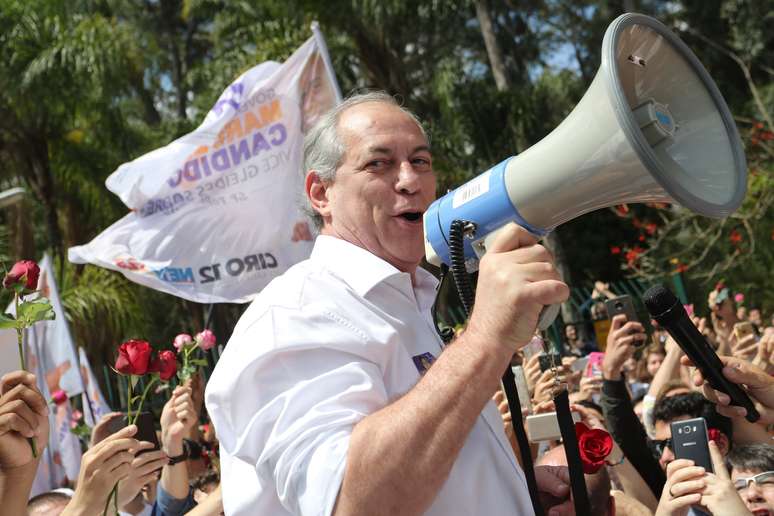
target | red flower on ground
x=615, y=250
x=133, y=357
x=632, y=255
x=651, y=228
x=594, y=445
x=26, y=272
x=735, y=237
x=641, y=238
x=165, y=363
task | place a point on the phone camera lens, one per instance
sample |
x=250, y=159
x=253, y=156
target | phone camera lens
x=687, y=429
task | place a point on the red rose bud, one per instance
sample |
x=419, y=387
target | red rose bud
x=594, y=445
x=59, y=397
x=205, y=339
x=133, y=357
x=165, y=363
x=182, y=341
x=24, y=272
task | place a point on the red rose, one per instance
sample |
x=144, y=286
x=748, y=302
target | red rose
x=26, y=272
x=595, y=445
x=165, y=364
x=133, y=357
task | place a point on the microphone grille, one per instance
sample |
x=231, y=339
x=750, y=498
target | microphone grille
x=658, y=299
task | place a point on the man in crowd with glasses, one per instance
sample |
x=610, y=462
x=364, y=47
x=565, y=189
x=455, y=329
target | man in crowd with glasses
x=752, y=471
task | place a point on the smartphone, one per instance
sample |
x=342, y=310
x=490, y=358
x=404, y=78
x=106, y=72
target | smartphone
x=621, y=305
x=545, y=427
x=533, y=347
x=547, y=360
x=594, y=365
x=743, y=329
x=690, y=441
x=146, y=430
x=580, y=364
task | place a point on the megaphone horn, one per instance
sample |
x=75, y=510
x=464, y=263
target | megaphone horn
x=652, y=127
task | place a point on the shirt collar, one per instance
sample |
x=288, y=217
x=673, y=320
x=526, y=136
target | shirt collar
x=363, y=270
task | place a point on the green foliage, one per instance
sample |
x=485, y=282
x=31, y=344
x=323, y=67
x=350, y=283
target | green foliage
x=86, y=86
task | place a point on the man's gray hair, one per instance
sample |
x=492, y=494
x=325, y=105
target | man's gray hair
x=323, y=149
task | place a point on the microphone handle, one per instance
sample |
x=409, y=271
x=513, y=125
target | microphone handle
x=701, y=353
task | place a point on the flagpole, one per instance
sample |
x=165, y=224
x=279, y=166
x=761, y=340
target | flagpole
x=326, y=59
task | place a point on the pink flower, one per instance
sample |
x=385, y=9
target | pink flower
x=182, y=341
x=205, y=339
x=59, y=397
x=739, y=297
x=76, y=415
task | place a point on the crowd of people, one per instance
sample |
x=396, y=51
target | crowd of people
x=335, y=395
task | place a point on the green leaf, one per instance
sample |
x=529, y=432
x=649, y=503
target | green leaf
x=31, y=312
x=199, y=361
x=134, y=379
x=7, y=322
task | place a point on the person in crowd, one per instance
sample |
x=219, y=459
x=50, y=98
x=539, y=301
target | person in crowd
x=689, y=486
x=756, y=317
x=23, y=421
x=322, y=401
x=51, y=503
x=688, y=406
x=723, y=315
x=752, y=472
x=574, y=345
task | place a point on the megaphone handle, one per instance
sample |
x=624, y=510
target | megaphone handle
x=550, y=312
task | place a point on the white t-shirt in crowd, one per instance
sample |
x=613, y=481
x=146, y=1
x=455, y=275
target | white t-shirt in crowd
x=334, y=339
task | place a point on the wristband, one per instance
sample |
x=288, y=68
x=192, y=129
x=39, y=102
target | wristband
x=623, y=457
x=178, y=458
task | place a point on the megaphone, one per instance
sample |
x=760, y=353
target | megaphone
x=652, y=127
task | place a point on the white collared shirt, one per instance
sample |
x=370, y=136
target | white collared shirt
x=334, y=339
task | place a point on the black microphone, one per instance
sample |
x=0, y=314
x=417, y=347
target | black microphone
x=665, y=308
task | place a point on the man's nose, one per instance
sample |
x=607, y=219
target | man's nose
x=408, y=178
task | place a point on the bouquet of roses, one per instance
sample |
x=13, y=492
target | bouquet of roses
x=187, y=349
x=29, y=305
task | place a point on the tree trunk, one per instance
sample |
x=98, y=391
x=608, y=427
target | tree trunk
x=493, y=49
x=22, y=242
x=497, y=62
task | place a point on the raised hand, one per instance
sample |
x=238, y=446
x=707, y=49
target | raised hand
x=23, y=415
x=103, y=428
x=177, y=418
x=620, y=345
x=758, y=384
x=145, y=468
x=516, y=280
x=107, y=463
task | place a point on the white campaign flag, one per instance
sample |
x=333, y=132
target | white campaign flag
x=214, y=214
x=94, y=404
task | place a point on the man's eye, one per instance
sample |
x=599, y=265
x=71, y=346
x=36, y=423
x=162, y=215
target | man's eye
x=377, y=163
x=424, y=162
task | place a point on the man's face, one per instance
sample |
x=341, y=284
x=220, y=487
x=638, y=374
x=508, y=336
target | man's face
x=758, y=498
x=383, y=185
x=664, y=431
x=654, y=362
x=755, y=317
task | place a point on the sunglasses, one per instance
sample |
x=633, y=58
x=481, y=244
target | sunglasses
x=761, y=479
x=661, y=445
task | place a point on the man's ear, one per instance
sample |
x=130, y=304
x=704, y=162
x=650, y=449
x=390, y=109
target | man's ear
x=317, y=193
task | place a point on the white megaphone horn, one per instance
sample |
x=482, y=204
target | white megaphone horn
x=652, y=127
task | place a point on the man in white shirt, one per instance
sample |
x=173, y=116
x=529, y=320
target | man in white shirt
x=334, y=394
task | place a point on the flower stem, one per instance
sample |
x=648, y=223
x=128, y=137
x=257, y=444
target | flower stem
x=20, y=342
x=142, y=399
x=129, y=400
x=114, y=497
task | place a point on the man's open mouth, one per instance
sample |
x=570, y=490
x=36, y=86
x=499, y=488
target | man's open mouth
x=412, y=216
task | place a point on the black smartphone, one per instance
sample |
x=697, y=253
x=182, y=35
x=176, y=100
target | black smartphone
x=690, y=441
x=146, y=430
x=621, y=305
x=547, y=360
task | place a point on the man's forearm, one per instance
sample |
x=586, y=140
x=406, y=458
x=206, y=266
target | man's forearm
x=669, y=370
x=415, y=440
x=174, y=479
x=15, y=486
